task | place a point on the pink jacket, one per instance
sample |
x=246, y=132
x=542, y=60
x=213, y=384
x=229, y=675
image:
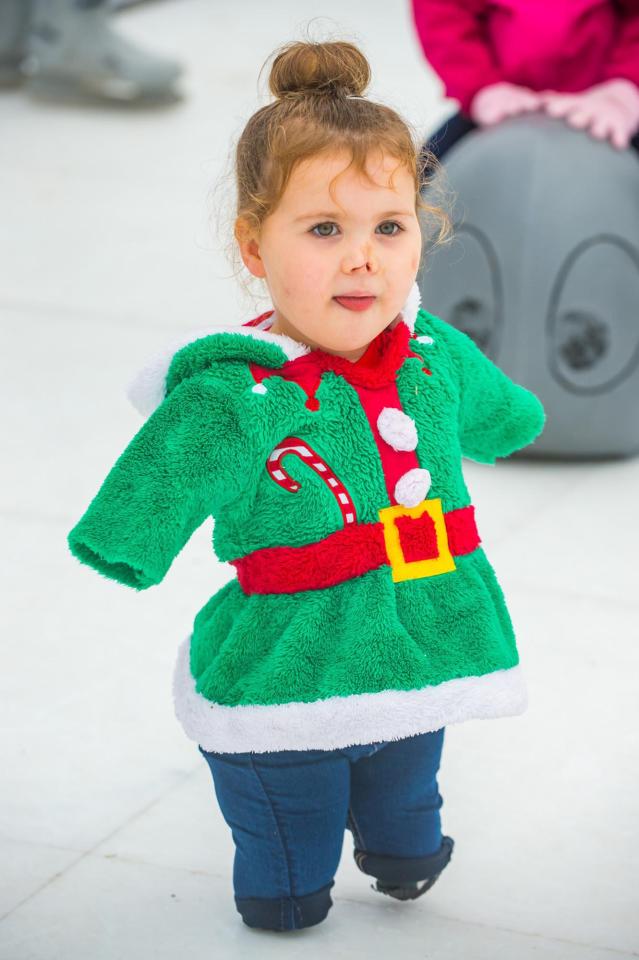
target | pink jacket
x=566, y=45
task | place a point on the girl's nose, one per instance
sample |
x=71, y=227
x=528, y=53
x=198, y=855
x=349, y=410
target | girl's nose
x=361, y=258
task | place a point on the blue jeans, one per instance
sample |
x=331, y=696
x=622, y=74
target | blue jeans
x=288, y=811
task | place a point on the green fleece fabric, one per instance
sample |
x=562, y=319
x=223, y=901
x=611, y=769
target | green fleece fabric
x=203, y=452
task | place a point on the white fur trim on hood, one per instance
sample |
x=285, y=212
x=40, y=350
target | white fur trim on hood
x=410, y=309
x=147, y=389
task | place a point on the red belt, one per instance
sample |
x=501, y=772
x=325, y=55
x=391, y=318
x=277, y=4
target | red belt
x=415, y=542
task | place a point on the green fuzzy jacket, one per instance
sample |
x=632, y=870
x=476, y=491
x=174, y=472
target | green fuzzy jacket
x=372, y=657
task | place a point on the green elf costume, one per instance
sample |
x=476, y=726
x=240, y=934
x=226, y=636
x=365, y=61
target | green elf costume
x=364, y=608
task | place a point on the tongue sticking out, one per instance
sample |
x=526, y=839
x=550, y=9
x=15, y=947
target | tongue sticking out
x=355, y=303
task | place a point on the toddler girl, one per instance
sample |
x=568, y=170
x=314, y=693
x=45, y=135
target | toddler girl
x=325, y=437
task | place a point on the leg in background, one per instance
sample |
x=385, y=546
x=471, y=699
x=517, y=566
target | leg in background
x=394, y=815
x=72, y=50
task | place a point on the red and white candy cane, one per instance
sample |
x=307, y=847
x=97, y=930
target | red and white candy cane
x=301, y=449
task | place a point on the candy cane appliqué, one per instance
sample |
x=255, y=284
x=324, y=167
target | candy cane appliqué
x=301, y=449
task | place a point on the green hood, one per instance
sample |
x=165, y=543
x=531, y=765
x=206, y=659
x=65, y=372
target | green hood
x=251, y=342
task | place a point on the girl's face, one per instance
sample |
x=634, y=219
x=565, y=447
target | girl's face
x=338, y=268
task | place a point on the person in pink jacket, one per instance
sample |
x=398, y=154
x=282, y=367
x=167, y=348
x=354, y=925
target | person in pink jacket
x=576, y=59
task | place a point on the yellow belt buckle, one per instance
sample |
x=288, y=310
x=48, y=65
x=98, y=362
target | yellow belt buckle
x=403, y=569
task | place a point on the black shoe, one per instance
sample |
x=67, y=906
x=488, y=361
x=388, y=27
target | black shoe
x=395, y=870
x=405, y=891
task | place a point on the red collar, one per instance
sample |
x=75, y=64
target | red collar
x=377, y=366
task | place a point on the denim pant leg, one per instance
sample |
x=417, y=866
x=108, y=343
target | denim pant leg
x=394, y=810
x=287, y=812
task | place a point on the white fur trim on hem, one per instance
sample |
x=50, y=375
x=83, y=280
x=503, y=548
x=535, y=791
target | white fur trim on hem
x=341, y=721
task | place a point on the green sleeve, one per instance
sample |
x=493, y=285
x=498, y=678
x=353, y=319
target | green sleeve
x=185, y=463
x=496, y=415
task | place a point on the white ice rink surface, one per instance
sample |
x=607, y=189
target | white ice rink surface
x=113, y=847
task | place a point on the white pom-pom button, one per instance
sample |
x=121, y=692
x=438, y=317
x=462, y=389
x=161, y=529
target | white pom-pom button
x=425, y=339
x=258, y=388
x=397, y=429
x=412, y=487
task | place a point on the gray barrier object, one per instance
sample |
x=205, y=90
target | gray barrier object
x=543, y=274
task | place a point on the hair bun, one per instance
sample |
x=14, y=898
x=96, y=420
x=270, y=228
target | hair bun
x=317, y=68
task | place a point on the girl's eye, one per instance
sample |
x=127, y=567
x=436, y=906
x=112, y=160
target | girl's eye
x=392, y=232
x=322, y=231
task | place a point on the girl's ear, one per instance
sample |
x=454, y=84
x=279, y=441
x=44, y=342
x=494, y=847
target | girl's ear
x=248, y=242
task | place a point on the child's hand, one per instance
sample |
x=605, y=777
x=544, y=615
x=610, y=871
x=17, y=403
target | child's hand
x=609, y=110
x=500, y=100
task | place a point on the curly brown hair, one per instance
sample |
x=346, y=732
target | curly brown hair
x=320, y=107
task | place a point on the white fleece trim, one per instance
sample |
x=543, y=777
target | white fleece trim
x=341, y=721
x=397, y=429
x=147, y=389
x=410, y=309
x=412, y=487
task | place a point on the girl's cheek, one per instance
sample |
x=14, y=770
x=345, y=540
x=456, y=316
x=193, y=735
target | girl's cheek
x=310, y=273
x=297, y=285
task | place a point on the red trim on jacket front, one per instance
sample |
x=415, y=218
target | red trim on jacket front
x=373, y=377
x=395, y=463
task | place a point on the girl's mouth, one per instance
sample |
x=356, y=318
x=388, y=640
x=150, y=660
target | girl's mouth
x=355, y=303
